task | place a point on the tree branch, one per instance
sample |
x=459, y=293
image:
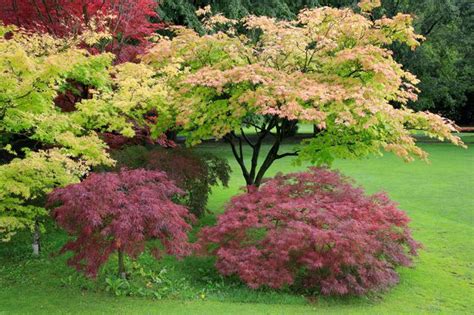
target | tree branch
x=239, y=158
x=279, y=156
x=431, y=27
x=246, y=138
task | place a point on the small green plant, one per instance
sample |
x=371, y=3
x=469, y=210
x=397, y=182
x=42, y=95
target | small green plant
x=117, y=285
x=144, y=281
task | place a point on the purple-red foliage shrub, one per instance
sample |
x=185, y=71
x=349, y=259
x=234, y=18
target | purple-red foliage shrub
x=313, y=229
x=120, y=211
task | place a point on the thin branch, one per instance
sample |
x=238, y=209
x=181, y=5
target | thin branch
x=279, y=156
x=232, y=145
x=240, y=148
x=246, y=138
x=255, y=125
x=239, y=158
x=354, y=72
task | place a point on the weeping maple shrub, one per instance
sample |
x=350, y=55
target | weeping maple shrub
x=120, y=212
x=312, y=229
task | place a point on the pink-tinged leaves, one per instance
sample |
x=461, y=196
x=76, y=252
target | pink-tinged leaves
x=345, y=241
x=120, y=211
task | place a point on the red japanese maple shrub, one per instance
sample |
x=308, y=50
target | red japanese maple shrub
x=313, y=229
x=120, y=211
x=129, y=21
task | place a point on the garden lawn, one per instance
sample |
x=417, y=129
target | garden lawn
x=437, y=196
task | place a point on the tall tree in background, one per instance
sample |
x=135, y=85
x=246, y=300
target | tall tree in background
x=128, y=21
x=444, y=61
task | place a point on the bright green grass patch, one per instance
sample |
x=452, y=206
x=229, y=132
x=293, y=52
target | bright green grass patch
x=437, y=196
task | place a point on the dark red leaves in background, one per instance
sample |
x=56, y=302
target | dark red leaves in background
x=130, y=24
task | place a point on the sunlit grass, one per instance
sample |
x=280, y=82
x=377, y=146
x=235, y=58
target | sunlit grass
x=437, y=196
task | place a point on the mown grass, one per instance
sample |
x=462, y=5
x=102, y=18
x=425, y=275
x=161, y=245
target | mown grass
x=437, y=196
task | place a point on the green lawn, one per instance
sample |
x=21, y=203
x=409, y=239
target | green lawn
x=438, y=197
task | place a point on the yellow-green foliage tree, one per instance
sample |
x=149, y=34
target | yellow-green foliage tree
x=43, y=147
x=330, y=67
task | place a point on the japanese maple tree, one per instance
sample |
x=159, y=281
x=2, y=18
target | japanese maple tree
x=314, y=230
x=331, y=68
x=128, y=21
x=43, y=146
x=120, y=212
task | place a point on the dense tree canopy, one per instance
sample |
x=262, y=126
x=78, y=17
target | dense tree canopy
x=443, y=63
x=41, y=145
x=330, y=67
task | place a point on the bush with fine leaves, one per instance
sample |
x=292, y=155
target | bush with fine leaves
x=120, y=212
x=312, y=229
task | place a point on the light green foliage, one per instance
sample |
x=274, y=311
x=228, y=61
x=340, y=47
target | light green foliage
x=24, y=183
x=134, y=91
x=30, y=80
x=41, y=146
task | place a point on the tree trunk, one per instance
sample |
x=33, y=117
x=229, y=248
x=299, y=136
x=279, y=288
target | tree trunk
x=121, y=265
x=36, y=239
x=255, y=175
